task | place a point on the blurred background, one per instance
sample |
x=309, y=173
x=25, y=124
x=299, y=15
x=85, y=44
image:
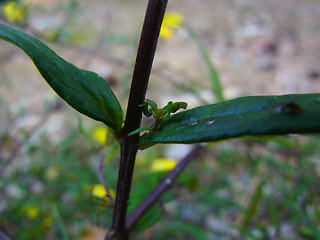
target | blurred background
x=248, y=188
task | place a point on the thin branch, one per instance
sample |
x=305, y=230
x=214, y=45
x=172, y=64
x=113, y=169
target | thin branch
x=101, y=179
x=162, y=187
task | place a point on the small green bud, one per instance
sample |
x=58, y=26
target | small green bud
x=149, y=111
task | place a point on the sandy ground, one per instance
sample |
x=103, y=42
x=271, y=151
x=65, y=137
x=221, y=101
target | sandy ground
x=258, y=47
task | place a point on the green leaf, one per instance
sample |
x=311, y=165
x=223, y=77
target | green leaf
x=188, y=180
x=192, y=230
x=255, y=115
x=83, y=90
x=149, y=218
x=252, y=209
x=141, y=191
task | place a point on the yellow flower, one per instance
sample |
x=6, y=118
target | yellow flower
x=15, y=12
x=52, y=173
x=166, y=32
x=171, y=22
x=101, y=135
x=163, y=164
x=32, y=212
x=99, y=191
x=48, y=221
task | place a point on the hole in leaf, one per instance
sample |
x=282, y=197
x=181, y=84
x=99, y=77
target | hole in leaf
x=289, y=108
x=192, y=123
x=210, y=122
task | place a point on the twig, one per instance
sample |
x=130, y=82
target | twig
x=162, y=187
x=101, y=178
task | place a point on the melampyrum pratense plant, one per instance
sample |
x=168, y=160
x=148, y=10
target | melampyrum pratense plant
x=91, y=95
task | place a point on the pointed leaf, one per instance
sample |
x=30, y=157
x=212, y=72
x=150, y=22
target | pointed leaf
x=83, y=90
x=256, y=115
x=253, y=206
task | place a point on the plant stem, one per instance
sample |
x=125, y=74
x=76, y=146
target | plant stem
x=129, y=144
x=162, y=187
x=3, y=236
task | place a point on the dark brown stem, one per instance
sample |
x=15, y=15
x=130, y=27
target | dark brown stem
x=129, y=145
x=162, y=187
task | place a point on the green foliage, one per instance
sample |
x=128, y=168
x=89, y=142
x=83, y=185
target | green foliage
x=83, y=90
x=57, y=183
x=257, y=115
x=150, y=108
x=141, y=191
x=289, y=193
